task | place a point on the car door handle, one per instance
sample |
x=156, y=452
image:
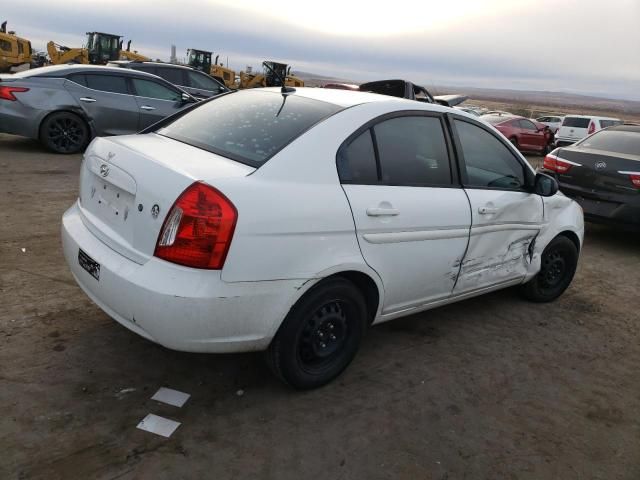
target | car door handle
x=382, y=212
x=147, y=107
x=487, y=210
x=87, y=99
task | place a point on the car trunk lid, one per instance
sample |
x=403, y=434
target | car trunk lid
x=128, y=184
x=596, y=171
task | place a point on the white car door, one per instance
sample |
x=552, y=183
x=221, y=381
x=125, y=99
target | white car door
x=506, y=217
x=412, y=217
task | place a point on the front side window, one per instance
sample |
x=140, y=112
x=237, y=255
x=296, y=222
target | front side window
x=488, y=162
x=528, y=125
x=249, y=126
x=5, y=45
x=413, y=151
x=202, y=81
x=107, y=83
x=150, y=89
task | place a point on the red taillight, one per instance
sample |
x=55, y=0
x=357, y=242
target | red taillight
x=592, y=128
x=555, y=164
x=198, y=229
x=7, y=93
x=635, y=179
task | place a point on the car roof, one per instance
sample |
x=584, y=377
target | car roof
x=127, y=63
x=346, y=98
x=61, y=70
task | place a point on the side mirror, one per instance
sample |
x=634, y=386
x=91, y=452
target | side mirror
x=186, y=98
x=545, y=185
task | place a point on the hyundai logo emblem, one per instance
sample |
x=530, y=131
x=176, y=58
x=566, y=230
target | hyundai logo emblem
x=104, y=169
x=601, y=165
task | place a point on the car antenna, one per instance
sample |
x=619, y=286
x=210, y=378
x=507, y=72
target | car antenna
x=284, y=89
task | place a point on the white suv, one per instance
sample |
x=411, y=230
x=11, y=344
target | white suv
x=291, y=221
x=553, y=122
x=577, y=127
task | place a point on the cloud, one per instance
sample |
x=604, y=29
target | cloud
x=586, y=46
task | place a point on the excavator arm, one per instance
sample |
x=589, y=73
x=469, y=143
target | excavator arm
x=59, y=54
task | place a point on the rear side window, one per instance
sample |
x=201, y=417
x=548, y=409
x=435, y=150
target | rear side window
x=617, y=141
x=248, y=126
x=150, y=89
x=609, y=123
x=576, y=122
x=413, y=151
x=172, y=75
x=107, y=83
x=357, y=161
x=20, y=48
x=78, y=78
x=488, y=162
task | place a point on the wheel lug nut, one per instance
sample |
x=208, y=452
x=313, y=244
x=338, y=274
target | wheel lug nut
x=333, y=337
x=323, y=345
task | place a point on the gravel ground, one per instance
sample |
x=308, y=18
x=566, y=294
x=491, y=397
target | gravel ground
x=489, y=388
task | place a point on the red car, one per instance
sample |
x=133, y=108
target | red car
x=525, y=134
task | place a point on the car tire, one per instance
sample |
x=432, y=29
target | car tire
x=558, y=266
x=320, y=336
x=514, y=142
x=64, y=132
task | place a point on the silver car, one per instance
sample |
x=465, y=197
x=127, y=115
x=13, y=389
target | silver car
x=65, y=106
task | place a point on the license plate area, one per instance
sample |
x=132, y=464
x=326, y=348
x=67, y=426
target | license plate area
x=108, y=202
x=89, y=264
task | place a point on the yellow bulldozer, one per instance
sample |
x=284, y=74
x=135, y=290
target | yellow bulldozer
x=15, y=52
x=201, y=60
x=271, y=76
x=100, y=49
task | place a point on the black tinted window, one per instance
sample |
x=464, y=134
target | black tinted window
x=172, y=75
x=248, y=126
x=576, y=122
x=78, y=78
x=151, y=89
x=614, y=141
x=107, y=83
x=413, y=151
x=357, y=161
x=203, y=81
x=488, y=162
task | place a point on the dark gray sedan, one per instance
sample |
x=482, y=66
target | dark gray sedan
x=65, y=106
x=602, y=174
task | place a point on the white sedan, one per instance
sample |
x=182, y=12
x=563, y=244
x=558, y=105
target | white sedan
x=292, y=221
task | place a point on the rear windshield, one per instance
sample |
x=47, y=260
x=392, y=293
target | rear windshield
x=576, y=122
x=249, y=126
x=616, y=141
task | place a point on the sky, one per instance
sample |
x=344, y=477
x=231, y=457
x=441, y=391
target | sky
x=589, y=47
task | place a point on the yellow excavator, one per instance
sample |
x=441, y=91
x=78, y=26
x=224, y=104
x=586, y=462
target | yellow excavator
x=100, y=49
x=201, y=60
x=15, y=52
x=271, y=76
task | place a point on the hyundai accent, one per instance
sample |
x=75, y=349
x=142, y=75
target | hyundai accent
x=292, y=221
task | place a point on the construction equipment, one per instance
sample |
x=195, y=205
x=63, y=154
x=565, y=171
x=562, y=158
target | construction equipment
x=272, y=74
x=15, y=52
x=132, y=55
x=100, y=49
x=201, y=60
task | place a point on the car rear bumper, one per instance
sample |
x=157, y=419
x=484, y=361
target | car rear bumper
x=178, y=307
x=16, y=119
x=609, y=209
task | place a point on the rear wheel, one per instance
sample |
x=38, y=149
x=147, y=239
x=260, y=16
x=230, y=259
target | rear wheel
x=320, y=335
x=559, y=263
x=64, y=132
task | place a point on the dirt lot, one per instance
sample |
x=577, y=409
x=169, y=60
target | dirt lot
x=490, y=388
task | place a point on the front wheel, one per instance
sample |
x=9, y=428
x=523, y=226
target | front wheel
x=320, y=335
x=559, y=263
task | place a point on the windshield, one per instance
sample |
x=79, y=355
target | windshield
x=617, y=141
x=248, y=126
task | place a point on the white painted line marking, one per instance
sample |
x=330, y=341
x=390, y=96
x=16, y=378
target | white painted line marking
x=171, y=397
x=158, y=425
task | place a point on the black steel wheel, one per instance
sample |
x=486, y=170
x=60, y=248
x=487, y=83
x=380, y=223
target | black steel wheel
x=320, y=335
x=64, y=132
x=558, y=266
